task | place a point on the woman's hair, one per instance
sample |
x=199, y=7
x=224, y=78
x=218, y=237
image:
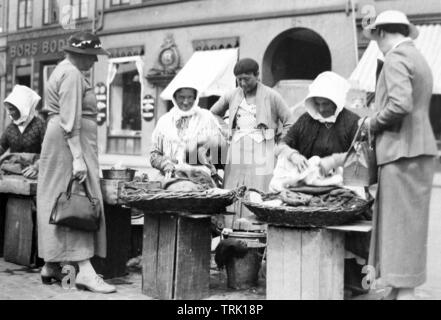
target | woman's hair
x=195, y=92
x=394, y=28
x=246, y=65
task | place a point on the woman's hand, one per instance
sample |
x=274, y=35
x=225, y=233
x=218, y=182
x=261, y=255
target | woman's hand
x=30, y=172
x=169, y=170
x=326, y=164
x=79, y=169
x=299, y=161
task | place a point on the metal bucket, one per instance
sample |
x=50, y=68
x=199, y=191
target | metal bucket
x=243, y=273
x=115, y=174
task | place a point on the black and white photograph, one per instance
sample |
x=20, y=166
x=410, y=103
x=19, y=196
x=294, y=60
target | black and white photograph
x=220, y=154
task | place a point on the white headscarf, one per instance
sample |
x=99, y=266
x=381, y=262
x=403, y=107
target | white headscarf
x=178, y=113
x=202, y=125
x=331, y=86
x=25, y=100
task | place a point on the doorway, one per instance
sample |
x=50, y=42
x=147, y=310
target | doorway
x=23, y=75
x=295, y=54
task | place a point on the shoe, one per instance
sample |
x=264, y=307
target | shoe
x=391, y=295
x=94, y=283
x=50, y=275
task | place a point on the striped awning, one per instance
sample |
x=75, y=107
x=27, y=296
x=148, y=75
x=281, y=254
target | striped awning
x=428, y=42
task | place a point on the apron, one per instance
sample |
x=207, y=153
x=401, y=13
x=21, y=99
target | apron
x=250, y=162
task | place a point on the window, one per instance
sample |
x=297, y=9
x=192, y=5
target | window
x=80, y=9
x=23, y=75
x=24, y=14
x=50, y=11
x=119, y=2
x=216, y=44
x=125, y=85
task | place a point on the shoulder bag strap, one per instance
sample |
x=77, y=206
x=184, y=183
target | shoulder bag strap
x=358, y=133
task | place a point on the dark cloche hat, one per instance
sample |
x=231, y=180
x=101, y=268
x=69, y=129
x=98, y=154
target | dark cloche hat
x=85, y=43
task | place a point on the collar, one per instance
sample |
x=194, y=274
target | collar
x=399, y=43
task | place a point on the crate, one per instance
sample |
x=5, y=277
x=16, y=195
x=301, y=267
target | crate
x=305, y=264
x=20, y=235
x=176, y=256
x=3, y=201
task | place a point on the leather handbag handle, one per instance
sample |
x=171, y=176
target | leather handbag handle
x=69, y=187
x=86, y=189
x=84, y=184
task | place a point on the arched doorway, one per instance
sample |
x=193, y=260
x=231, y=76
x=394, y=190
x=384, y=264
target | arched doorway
x=297, y=53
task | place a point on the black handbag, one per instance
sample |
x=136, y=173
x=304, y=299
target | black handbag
x=76, y=210
x=360, y=166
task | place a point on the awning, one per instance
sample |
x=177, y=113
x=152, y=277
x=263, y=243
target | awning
x=428, y=42
x=211, y=72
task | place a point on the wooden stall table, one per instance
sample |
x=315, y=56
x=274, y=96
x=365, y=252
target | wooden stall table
x=176, y=251
x=176, y=255
x=307, y=264
x=118, y=230
x=20, y=242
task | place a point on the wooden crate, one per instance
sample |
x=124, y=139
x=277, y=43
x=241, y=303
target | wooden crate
x=3, y=201
x=176, y=256
x=305, y=264
x=20, y=240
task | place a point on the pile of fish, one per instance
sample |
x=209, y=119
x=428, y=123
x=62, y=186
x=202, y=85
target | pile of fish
x=337, y=197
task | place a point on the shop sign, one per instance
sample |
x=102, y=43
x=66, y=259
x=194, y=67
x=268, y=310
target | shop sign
x=101, y=102
x=36, y=48
x=126, y=51
x=148, y=108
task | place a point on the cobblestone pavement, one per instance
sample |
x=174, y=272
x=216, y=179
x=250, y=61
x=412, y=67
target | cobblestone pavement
x=23, y=283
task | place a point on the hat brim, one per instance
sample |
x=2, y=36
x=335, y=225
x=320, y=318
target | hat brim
x=88, y=51
x=367, y=32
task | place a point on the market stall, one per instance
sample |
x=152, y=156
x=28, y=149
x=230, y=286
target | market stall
x=306, y=237
x=18, y=234
x=177, y=238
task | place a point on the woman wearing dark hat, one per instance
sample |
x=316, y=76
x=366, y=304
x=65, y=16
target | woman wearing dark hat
x=70, y=149
x=259, y=117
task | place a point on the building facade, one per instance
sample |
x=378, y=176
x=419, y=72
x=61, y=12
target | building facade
x=293, y=41
x=151, y=40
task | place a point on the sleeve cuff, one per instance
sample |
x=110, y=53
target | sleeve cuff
x=374, y=124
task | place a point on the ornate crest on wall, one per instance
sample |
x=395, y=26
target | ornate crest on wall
x=168, y=60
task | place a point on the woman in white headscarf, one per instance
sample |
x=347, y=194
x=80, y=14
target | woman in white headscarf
x=26, y=131
x=326, y=129
x=182, y=131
